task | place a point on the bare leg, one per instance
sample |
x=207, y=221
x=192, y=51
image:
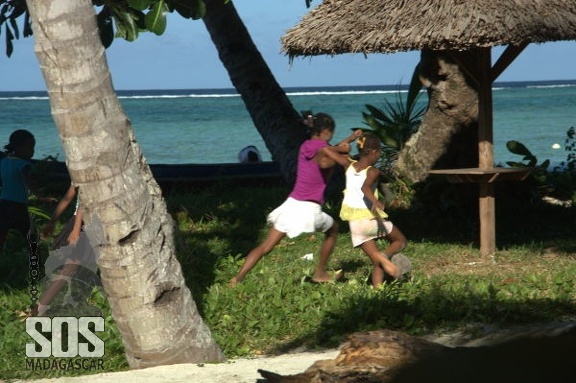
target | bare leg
x=69, y=269
x=274, y=237
x=377, y=277
x=320, y=275
x=397, y=242
x=380, y=261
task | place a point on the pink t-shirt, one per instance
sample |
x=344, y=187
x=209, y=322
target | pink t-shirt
x=310, y=178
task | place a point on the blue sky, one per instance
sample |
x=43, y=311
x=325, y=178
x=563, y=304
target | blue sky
x=184, y=57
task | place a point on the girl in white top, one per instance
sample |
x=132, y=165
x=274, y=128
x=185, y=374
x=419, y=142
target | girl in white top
x=365, y=212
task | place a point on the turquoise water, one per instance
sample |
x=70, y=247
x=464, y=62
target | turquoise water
x=211, y=126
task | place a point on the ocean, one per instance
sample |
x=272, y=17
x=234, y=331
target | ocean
x=212, y=125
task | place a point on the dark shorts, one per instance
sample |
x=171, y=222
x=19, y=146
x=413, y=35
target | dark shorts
x=14, y=215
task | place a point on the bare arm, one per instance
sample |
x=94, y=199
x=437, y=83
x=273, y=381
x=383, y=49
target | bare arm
x=328, y=157
x=60, y=208
x=338, y=154
x=371, y=177
x=75, y=233
x=344, y=145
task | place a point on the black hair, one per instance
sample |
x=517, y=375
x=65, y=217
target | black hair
x=18, y=138
x=367, y=142
x=316, y=123
x=252, y=156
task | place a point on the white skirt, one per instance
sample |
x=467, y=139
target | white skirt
x=295, y=217
x=364, y=230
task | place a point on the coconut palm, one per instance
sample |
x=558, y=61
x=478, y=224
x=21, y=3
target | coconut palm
x=150, y=302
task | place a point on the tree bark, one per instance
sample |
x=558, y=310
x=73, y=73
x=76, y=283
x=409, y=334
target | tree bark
x=275, y=118
x=448, y=134
x=528, y=355
x=151, y=304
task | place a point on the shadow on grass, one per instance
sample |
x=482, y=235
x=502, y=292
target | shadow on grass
x=434, y=310
x=231, y=220
x=518, y=221
x=239, y=214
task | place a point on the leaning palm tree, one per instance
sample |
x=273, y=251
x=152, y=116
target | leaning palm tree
x=279, y=124
x=150, y=302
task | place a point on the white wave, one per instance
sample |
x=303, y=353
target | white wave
x=344, y=92
x=28, y=98
x=178, y=96
x=288, y=93
x=551, y=86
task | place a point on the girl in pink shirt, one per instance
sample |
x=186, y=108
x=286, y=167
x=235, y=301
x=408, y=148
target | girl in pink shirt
x=302, y=210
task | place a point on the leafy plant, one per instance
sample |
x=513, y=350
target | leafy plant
x=125, y=19
x=36, y=212
x=394, y=124
x=539, y=177
x=563, y=178
x=10, y=11
x=570, y=146
x=397, y=121
x=520, y=149
x=561, y=181
x=134, y=16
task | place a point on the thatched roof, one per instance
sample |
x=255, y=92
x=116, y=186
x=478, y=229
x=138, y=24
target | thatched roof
x=387, y=26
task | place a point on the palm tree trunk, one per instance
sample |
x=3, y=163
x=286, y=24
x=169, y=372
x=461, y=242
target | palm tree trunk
x=142, y=278
x=447, y=136
x=277, y=121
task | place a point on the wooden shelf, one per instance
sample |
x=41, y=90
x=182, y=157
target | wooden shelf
x=479, y=175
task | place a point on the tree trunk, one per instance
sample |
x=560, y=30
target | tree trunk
x=277, y=121
x=142, y=278
x=448, y=134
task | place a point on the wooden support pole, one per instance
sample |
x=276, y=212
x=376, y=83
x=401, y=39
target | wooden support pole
x=486, y=155
x=487, y=213
x=486, y=174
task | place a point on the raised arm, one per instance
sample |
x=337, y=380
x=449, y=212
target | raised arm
x=338, y=154
x=329, y=156
x=344, y=145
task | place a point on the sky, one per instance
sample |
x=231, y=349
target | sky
x=185, y=58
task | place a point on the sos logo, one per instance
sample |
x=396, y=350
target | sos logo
x=65, y=341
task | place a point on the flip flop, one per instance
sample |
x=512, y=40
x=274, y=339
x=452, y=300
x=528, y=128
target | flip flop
x=338, y=274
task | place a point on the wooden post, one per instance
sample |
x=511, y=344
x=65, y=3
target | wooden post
x=486, y=174
x=486, y=155
x=487, y=213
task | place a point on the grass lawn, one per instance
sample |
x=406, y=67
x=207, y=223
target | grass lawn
x=276, y=308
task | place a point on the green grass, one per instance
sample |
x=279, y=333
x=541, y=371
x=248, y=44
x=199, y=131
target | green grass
x=276, y=308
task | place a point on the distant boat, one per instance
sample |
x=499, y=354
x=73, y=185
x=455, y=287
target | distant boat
x=185, y=173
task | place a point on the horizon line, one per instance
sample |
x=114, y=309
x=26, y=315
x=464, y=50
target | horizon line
x=495, y=83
